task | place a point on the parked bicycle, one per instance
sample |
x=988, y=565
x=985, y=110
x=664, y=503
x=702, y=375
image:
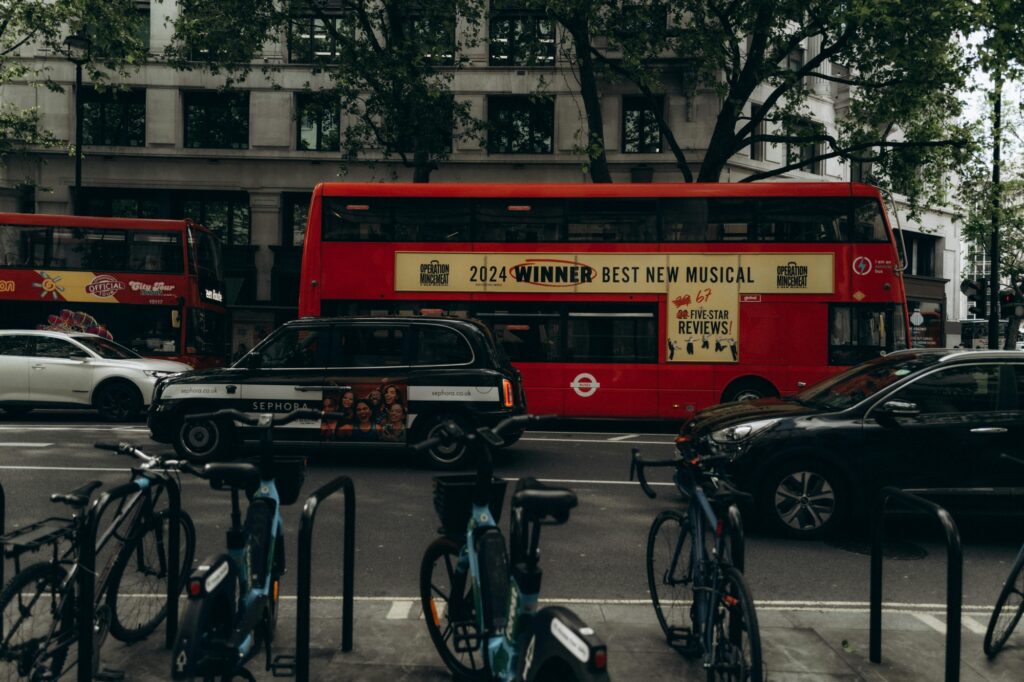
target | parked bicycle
x=479, y=597
x=231, y=613
x=1010, y=604
x=40, y=630
x=700, y=598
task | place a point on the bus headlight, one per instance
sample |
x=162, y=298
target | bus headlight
x=740, y=432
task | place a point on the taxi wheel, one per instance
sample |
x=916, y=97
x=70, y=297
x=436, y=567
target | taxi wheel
x=118, y=401
x=445, y=457
x=204, y=440
x=804, y=498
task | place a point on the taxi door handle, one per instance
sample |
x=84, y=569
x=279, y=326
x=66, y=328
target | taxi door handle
x=38, y=366
x=307, y=389
x=989, y=429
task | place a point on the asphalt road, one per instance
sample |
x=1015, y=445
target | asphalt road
x=597, y=557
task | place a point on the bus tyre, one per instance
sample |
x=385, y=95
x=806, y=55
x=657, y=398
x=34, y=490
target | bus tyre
x=748, y=389
x=204, y=440
x=804, y=498
x=118, y=401
x=445, y=457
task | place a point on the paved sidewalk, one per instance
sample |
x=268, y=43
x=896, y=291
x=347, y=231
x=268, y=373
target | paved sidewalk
x=800, y=642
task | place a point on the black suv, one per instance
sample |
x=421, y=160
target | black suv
x=936, y=421
x=393, y=378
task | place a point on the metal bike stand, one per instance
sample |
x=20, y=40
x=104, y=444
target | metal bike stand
x=86, y=606
x=954, y=576
x=302, y=620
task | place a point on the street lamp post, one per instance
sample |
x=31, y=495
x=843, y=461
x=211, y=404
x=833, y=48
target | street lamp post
x=77, y=47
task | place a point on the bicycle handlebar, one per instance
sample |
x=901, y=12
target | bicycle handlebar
x=148, y=461
x=275, y=420
x=638, y=464
x=450, y=431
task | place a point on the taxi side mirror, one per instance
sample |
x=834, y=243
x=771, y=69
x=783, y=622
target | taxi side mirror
x=897, y=408
x=254, y=360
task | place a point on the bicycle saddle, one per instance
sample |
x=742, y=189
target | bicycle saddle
x=79, y=497
x=230, y=474
x=540, y=501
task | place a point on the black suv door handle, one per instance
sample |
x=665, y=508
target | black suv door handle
x=989, y=429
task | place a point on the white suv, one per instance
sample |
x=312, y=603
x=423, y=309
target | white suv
x=55, y=369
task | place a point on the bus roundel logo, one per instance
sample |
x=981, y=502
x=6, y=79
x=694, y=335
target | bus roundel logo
x=585, y=385
x=862, y=265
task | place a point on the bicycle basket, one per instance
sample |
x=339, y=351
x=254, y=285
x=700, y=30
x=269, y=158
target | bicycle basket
x=453, y=501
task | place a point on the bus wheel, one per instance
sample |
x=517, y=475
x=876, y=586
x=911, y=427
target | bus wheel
x=445, y=457
x=203, y=440
x=748, y=389
x=118, y=401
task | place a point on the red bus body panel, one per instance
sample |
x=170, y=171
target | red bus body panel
x=785, y=337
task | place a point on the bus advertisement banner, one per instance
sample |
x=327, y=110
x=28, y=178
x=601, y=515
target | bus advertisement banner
x=702, y=289
x=90, y=287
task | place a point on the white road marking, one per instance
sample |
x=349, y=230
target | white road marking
x=74, y=428
x=11, y=467
x=932, y=622
x=399, y=610
x=626, y=437
x=580, y=440
x=973, y=625
x=25, y=445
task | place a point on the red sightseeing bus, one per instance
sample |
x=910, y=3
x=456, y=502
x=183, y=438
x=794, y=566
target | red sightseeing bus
x=152, y=285
x=633, y=301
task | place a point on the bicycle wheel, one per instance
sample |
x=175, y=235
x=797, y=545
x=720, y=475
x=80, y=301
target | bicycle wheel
x=39, y=622
x=1008, y=610
x=450, y=612
x=670, y=573
x=138, y=581
x=736, y=640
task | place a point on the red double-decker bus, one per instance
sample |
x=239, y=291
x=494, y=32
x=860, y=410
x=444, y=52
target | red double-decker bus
x=152, y=285
x=633, y=301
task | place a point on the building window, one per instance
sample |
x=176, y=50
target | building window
x=312, y=39
x=520, y=36
x=295, y=210
x=758, y=149
x=640, y=131
x=795, y=60
x=226, y=214
x=520, y=124
x=920, y=253
x=114, y=117
x=216, y=120
x=805, y=151
x=318, y=123
x=436, y=34
x=142, y=25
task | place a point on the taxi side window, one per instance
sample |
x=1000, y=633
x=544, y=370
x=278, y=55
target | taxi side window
x=367, y=346
x=292, y=349
x=16, y=345
x=441, y=346
x=957, y=389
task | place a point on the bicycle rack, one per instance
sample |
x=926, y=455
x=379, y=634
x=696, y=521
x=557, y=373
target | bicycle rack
x=309, y=509
x=954, y=576
x=86, y=606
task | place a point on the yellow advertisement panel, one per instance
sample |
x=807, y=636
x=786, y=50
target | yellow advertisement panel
x=702, y=289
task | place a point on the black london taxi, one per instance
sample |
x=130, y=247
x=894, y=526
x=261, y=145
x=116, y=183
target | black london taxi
x=393, y=378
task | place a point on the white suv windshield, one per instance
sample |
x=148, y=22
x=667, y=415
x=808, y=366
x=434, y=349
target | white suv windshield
x=106, y=349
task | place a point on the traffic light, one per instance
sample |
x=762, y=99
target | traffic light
x=1011, y=301
x=976, y=291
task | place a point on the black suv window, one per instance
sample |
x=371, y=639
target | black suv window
x=368, y=346
x=442, y=346
x=15, y=345
x=971, y=388
x=292, y=348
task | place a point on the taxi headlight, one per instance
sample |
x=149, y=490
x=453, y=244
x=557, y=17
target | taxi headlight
x=742, y=432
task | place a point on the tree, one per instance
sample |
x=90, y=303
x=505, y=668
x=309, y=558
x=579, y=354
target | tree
x=112, y=26
x=390, y=64
x=900, y=62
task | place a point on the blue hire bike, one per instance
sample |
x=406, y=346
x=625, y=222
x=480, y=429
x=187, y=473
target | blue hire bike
x=231, y=612
x=479, y=598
